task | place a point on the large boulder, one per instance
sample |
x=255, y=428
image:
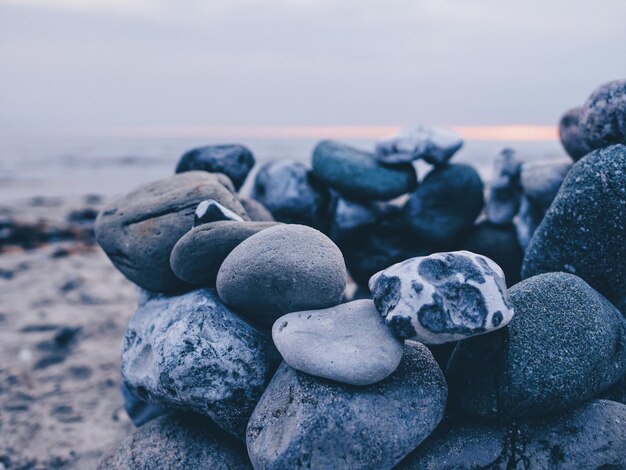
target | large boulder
x=139, y=230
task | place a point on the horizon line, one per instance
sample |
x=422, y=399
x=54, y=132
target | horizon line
x=513, y=132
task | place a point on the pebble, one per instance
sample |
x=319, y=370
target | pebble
x=565, y=344
x=197, y=256
x=358, y=175
x=292, y=194
x=304, y=421
x=446, y=204
x=235, y=161
x=505, y=191
x=527, y=221
x=603, y=116
x=212, y=211
x=443, y=297
x=193, y=354
x=348, y=216
x=435, y=145
x=282, y=269
x=541, y=181
x=181, y=442
x=255, y=210
x=584, y=231
x=572, y=135
x=592, y=436
x=139, y=230
x=349, y=343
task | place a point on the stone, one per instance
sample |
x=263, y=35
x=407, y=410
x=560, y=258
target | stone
x=139, y=230
x=572, y=135
x=566, y=344
x=182, y=442
x=226, y=182
x=197, y=256
x=292, y=193
x=349, y=343
x=527, y=221
x=541, y=181
x=140, y=412
x=193, y=354
x=348, y=216
x=358, y=175
x=505, y=191
x=235, y=161
x=255, y=210
x=282, y=269
x=304, y=421
x=592, y=436
x=446, y=204
x=212, y=211
x=603, y=116
x=435, y=145
x=499, y=243
x=584, y=230
x=443, y=297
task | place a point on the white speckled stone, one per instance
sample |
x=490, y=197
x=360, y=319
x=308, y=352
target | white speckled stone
x=436, y=145
x=443, y=297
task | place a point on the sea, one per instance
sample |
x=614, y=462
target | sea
x=55, y=166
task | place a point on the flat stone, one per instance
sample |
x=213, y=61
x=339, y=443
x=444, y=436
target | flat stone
x=212, y=211
x=603, y=116
x=443, y=297
x=235, y=161
x=584, y=230
x=282, y=269
x=435, y=145
x=358, y=175
x=139, y=230
x=197, y=256
x=184, y=442
x=255, y=210
x=292, y=193
x=446, y=204
x=566, y=344
x=349, y=343
x=193, y=354
x=572, y=135
x=592, y=436
x=304, y=421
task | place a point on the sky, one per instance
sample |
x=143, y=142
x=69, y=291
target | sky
x=151, y=65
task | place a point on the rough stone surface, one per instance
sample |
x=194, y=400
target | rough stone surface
x=505, y=191
x=358, y=175
x=198, y=255
x=499, y=243
x=282, y=269
x=443, y=297
x=190, y=352
x=139, y=230
x=183, y=442
x=603, y=117
x=212, y=211
x=255, y=210
x=572, y=135
x=435, y=145
x=235, y=161
x=592, y=436
x=446, y=203
x=349, y=343
x=308, y=422
x=584, y=230
x=292, y=193
x=565, y=344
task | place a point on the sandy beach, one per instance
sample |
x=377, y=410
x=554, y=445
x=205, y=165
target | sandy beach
x=63, y=313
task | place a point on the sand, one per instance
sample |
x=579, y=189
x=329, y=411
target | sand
x=63, y=316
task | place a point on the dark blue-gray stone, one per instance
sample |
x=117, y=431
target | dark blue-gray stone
x=446, y=203
x=212, y=211
x=292, y=193
x=193, y=354
x=584, y=231
x=565, y=344
x=304, y=421
x=592, y=436
x=138, y=410
x=235, y=161
x=603, y=116
x=505, y=191
x=358, y=175
x=572, y=135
